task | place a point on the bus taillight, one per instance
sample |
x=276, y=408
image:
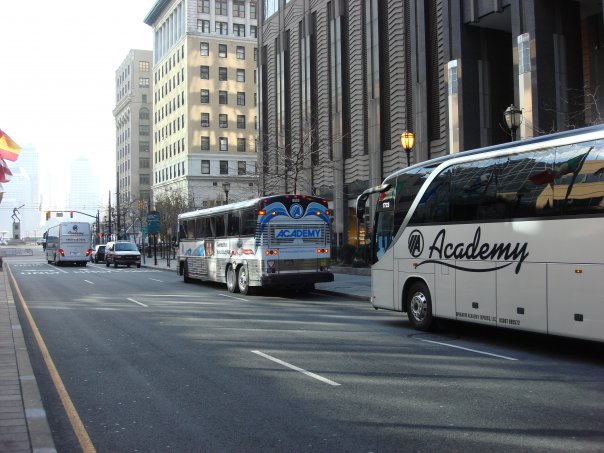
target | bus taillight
x=61, y=252
x=322, y=250
x=88, y=252
x=261, y=212
x=271, y=252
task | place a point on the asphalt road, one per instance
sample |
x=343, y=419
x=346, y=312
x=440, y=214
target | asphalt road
x=154, y=364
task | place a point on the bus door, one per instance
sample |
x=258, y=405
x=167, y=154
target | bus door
x=382, y=272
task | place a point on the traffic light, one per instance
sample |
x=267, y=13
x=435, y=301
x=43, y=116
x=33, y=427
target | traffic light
x=47, y=215
x=71, y=214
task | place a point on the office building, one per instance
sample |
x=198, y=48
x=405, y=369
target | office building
x=340, y=81
x=133, y=129
x=204, y=97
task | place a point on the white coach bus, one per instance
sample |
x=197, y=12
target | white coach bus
x=279, y=240
x=510, y=235
x=68, y=242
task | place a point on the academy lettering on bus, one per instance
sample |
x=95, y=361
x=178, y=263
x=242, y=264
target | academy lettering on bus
x=314, y=233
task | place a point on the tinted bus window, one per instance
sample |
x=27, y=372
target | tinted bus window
x=220, y=225
x=233, y=224
x=579, y=179
x=248, y=222
x=434, y=205
x=407, y=187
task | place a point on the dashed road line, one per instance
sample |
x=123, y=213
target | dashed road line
x=468, y=349
x=137, y=302
x=294, y=367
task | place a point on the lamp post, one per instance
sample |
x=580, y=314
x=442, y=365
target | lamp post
x=513, y=118
x=226, y=186
x=407, y=141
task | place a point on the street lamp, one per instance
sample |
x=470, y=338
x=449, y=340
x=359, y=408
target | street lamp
x=513, y=118
x=407, y=141
x=226, y=186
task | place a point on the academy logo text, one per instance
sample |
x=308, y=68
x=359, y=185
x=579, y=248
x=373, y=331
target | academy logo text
x=475, y=250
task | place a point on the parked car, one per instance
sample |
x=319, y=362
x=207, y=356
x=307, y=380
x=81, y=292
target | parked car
x=122, y=252
x=98, y=253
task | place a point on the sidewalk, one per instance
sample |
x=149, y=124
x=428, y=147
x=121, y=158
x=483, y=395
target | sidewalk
x=23, y=423
x=348, y=282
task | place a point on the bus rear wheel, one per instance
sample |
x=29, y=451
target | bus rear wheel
x=419, y=306
x=185, y=274
x=243, y=281
x=231, y=280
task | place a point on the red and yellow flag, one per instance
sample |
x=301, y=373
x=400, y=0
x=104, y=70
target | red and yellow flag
x=8, y=148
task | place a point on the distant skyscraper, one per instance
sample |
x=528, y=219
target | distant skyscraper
x=84, y=192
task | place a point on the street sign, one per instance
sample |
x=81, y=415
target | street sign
x=153, y=222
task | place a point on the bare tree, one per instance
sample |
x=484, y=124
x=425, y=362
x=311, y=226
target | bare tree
x=169, y=205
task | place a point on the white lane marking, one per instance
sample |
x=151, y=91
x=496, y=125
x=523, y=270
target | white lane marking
x=468, y=349
x=55, y=267
x=156, y=280
x=88, y=281
x=232, y=297
x=137, y=302
x=293, y=367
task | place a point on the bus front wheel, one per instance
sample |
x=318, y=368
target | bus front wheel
x=419, y=306
x=243, y=281
x=231, y=280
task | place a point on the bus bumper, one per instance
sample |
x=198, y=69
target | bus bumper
x=296, y=279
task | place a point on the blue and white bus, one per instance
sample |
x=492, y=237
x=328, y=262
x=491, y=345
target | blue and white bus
x=510, y=235
x=278, y=241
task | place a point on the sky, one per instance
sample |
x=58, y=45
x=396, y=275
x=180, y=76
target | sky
x=57, y=82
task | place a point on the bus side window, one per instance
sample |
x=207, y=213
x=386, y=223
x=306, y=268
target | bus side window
x=434, y=205
x=248, y=222
x=233, y=224
x=579, y=183
x=220, y=225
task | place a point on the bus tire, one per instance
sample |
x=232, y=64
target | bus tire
x=243, y=281
x=419, y=306
x=231, y=279
x=106, y=263
x=185, y=274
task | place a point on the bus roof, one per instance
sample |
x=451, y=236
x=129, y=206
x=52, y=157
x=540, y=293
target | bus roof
x=253, y=202
x=591, y=132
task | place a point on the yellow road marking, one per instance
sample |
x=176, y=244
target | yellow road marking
x=72, y=413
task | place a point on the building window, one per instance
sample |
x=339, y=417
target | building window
x=241, y=168
x=143, y=147
x=223, y=120
x=239, y=29
x=205, y=167
x=223, y=97
x=253, y=31
x=143, y=66
x=223, y=143
x=240, y=53
x=222, y=50
x=143, y=114
x=240, y=121
x=143, y=162
x=241, y=145
x=143, y=82
x=255, y=53
x=205, y=143
x=252, y=10
x=205, y=96
x=238, y=8
x=222, y=74
x=224, y=167
x=205, y=120
x=143, y=130
x=240, y=75
x=203, y=25
x=144, y=99
x=204, y=72
x=240, y=98
x=222, y=28
x=204, y=49
x=143, y=179
x=203, y=6
x=221, y=7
